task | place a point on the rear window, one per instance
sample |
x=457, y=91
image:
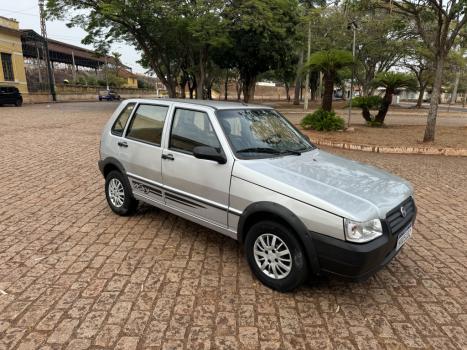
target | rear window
x=147, y=124
x=120, y=123
x=8, y=89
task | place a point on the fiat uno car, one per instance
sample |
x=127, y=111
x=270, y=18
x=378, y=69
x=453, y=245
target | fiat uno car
x=246, y=172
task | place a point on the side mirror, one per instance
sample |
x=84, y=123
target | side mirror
x=209, y=153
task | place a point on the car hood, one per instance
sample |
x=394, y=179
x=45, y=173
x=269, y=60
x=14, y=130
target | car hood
x=341, y=186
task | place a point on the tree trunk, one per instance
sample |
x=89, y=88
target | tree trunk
x=171, y=90
x=209, y=91
x=201, y=78
x=192, y=88
x=383, y=110
x=328, y=91
x=434, y=102
x=249, y=85
x=182, y=84
x=238, y=87
x=420, y=96
x=287, y=91
x=226, y=85
x=456, y=86
x=298, y=80
x=366, y=114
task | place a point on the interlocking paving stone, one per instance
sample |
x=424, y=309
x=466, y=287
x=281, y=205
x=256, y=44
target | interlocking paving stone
x=76, y=276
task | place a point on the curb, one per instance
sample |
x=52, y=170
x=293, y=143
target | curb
x=457, y=152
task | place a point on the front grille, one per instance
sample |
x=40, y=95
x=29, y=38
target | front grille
x=396, y=221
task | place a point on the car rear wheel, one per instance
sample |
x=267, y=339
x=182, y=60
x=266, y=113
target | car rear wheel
x=276, y=256
x=119, y=195
x=19, y=102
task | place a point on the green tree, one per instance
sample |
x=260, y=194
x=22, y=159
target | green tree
x=392, y=82
x=329, y=62
x=438, y=24
x=261, y=32
x=420, y=62
x=167, y=33
x=382, y=44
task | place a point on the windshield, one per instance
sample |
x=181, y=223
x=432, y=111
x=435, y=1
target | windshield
x=260, y=133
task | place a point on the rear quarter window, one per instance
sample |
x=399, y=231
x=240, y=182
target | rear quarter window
x=120, y=123
x=147, y=124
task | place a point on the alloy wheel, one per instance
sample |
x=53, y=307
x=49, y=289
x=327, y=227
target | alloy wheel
x=272, y=256
x=116, y=193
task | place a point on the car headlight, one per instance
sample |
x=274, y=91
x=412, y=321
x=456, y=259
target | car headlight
x=361, y=232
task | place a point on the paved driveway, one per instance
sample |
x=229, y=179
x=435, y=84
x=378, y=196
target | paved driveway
x=75, y=276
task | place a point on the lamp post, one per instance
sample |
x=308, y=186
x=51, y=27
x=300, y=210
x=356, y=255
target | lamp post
x=307, y=80
x=352, y=26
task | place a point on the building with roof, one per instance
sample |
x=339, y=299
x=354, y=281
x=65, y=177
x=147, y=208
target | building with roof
x=131, y=79
x=12, y=70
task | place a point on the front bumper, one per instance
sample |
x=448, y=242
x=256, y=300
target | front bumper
x=351, y=260
x=356, y=261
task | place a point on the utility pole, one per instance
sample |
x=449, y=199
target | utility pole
x=307, y=80
x=105, y=72
x=74, y=66
x=46, y=49
x=352, y=26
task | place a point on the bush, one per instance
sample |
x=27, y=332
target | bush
x=374, y=124
x=370, y=102
x=323, y=121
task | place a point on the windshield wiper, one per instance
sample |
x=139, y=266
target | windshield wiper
x=259, y=150
x=290, y=151
x=268, y=150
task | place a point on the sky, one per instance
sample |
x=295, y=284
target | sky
x=26, y=12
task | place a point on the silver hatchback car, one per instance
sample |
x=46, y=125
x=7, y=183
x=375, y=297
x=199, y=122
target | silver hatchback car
x=246, y=172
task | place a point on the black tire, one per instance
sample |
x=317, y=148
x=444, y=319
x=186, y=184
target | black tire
x=19, y=102
x=128, y=203
x=299, y=267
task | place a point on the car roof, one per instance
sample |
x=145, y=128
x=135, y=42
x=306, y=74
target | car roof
x=217, y=105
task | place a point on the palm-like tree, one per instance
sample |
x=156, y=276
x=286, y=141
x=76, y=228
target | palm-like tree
x=392, y=82
x=329, y=62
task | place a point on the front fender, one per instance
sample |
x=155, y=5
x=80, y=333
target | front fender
x=286, y=215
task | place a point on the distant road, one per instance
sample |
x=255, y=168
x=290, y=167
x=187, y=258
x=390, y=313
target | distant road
x=442, y=107
x=396, y=116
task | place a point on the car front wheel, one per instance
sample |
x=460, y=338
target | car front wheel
x=276, y=256
x=119, y=195
x=19, y=102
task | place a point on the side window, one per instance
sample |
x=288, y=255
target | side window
x=191, y=129
x=120, y=123
x=7, y=65
x=147, y=124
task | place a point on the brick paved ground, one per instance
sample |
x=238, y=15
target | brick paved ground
x=77, y=276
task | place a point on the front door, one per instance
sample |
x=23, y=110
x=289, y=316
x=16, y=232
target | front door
x=140, y=151
x=195, y=186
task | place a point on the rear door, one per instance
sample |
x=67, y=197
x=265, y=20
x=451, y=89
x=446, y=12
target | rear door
x=196, y=186
x=112, y=142
x=141, y=152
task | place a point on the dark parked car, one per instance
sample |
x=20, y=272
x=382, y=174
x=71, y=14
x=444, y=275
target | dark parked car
x=108, y=95
x=9, y=95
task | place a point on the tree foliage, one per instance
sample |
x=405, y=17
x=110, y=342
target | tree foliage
x=200, y=44
x=392, y=82
x=438, y=24
x=329, y=62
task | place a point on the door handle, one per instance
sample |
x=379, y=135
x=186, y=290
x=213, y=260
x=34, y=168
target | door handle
x=122, y=144
x=168, y=157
